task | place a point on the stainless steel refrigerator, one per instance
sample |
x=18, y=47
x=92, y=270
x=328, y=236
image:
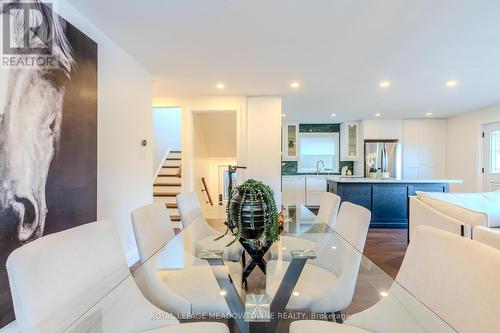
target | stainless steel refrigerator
x=384, y=156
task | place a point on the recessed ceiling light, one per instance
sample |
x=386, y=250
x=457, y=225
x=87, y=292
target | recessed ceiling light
x=384, y=294
x=377, y=114
x=333, y=115
x=384, y=84
x=295, y=293
x=451, y=83
x=295, y=85
x=220, y=86
x=428, y=114
x=283, y=115
x=222, y=293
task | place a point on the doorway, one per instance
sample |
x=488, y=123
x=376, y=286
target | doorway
x=214, y=148
x=491, y=157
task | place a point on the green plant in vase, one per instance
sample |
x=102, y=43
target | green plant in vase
x=252, y=213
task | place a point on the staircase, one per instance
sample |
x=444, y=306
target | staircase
x=167, y=184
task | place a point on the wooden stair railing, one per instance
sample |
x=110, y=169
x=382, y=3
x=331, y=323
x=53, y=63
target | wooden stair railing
x=205, y=189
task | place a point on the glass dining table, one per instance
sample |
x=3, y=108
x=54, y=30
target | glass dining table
x=311, y=273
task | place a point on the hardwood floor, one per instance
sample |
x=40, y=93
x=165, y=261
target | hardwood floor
x=386, y=248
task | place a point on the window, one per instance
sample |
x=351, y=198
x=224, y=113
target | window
x=495, y=152
x=314, y=147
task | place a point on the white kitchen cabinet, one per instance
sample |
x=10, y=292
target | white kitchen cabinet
x=290, y=141
x=315, y=188
x=293, y=190
x=350, y=141
x=424, y=148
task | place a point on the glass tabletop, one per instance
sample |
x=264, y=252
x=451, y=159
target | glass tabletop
x=311, y=272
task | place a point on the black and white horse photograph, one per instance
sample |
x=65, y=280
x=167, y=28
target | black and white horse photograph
x=48, y=141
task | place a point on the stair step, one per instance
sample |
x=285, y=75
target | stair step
x=176, y=164
x=173, y=159
x=175, y=218
x=169, y=171
x=173, y=211
x=174, y=155
x=167, y=184
x=170, y=166
x=170, y=202
x=158, y=194
x=171, y=205
x=175, y=152
x=171, y=181
x=167, y=189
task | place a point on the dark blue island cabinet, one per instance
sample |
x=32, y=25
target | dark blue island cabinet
x=386, y=199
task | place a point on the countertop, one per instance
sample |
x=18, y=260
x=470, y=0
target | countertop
x=311, y=175
x=340, y=179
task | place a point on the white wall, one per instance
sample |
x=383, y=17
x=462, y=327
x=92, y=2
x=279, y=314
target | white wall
x=124, y=119
x=166, y=134
x=382, y=129
x=192, y=104
x=464, y=147
x=214, y=146
x=264, y=142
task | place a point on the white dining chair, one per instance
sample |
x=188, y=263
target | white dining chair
x=78, y=281
x=326, y=284
x=188, y=288
x=327, y=214
x=454, y=277
x=190, y=211
x=329, y=208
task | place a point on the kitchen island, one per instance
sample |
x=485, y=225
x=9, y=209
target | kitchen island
x=387, y=199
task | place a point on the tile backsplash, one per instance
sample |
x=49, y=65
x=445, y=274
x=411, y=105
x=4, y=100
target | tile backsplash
x=289, y=168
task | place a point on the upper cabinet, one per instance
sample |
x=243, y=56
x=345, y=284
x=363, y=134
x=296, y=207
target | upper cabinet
x=290, y=142
x=424, y=148
x=350, y=141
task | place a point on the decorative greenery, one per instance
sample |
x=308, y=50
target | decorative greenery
x=254, y=190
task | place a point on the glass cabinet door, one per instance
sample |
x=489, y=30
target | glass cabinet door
x=290, y=141
x=352, y=141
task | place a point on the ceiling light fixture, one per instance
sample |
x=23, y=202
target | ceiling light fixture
x=428, y=114
x=333, y=115
x=377, y=114
x=220, y=86
x=295, y=85
x=384, y=294
x=451, y=83
x=283, y=115
x=295, y=293
x=384, y=84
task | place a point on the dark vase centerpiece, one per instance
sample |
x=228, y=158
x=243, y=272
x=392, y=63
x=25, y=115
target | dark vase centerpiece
x=252, y=214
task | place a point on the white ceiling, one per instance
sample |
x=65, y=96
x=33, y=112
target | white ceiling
x=338, y=50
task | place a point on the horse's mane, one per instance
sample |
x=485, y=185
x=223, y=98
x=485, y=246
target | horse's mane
x=53, y=29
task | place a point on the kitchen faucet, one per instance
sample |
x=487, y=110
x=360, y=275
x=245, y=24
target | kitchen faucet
x=317, y=166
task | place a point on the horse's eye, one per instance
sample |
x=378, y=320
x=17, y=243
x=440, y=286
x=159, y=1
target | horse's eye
x=52, y=125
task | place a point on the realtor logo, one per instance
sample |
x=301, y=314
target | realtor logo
x=27, y=37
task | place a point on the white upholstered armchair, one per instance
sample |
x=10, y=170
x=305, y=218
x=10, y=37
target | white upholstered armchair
x=78, y=281
x=453, y=276
x=190, y=211
x=188, y=287
x=328, y=210
x=327, y=283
